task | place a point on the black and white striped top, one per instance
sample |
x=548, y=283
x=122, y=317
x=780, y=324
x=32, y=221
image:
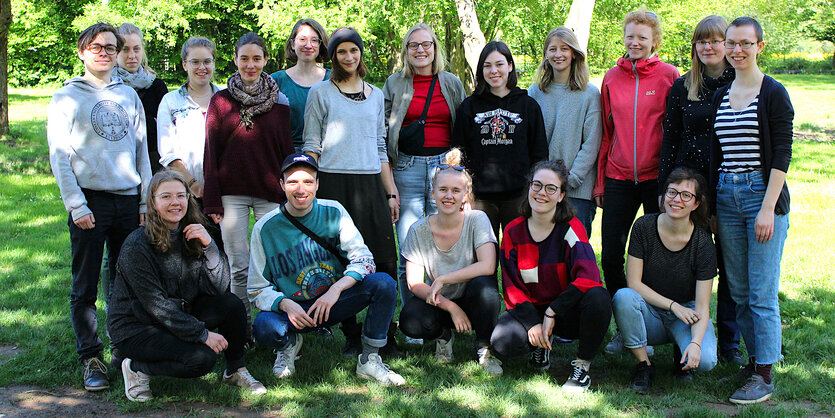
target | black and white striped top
x=739, y=137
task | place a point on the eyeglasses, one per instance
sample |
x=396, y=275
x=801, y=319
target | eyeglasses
x=303, y=40
x=425, y=45
x=109, y=49
x=196, y=63
x=550, y=189
x=454, y=167
x=167, y=197
x=685, y=195
x=714, y=43
x=744, y=44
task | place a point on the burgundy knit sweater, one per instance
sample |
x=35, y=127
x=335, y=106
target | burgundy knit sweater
x=248, y=164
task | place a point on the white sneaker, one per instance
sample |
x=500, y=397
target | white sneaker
x=615, y=345
x=413, y=341
x=137, y=384
x=375, y=369
x=243, y=379
x=489, y=363
x=285, y=360
x=443, y=349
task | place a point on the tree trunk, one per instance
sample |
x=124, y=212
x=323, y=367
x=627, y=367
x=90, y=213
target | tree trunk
x=579, y=20
x=5, y=24
x=473, y=38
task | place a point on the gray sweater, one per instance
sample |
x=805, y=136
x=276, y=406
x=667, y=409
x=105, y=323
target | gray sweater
x=349, y=136
x=96, y=141
x=573, y=127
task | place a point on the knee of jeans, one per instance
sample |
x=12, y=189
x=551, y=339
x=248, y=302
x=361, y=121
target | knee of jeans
x=708, y=361
x=381, y=284
x=200, y=362
x=506, y=344
x=267, y=333
x=625, y=300
x=484, y=289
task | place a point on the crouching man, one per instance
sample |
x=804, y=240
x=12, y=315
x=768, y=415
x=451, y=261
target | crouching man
x=309, y=267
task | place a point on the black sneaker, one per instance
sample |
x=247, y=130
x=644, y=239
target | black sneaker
x=95, y=375
x=391, y=349
x=353, y=346
x=116, y=358
x=540, y=358
x=733, y=355
x=678, y=371
x=579, y=380
x=745, y=372
x=642, y=378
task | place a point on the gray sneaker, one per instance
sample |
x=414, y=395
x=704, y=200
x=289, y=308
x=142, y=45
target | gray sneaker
x=285, y=360
x=443, y=349
x=243, y=379
x=616, y=345
x=375, y=369
x=755, y=390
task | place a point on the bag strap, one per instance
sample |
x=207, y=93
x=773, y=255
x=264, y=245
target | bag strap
x=319, y=240
x=428, y=100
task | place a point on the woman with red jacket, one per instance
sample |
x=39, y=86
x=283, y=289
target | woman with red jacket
x=634, y=95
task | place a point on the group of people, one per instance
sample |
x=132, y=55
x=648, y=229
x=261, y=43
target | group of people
x=326, y=162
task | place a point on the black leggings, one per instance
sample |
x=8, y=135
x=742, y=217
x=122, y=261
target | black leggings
x=158, y=352
x=588, y=321
x=481, y=302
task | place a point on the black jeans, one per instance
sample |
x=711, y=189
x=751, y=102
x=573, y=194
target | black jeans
x=499, y=211
x=621, y=201
x=588, y=321
x=481, y=302
x=158, y=352
x=116, y=216
x=727, y=329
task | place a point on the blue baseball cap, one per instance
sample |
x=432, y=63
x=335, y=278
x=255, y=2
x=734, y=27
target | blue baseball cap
x=298, y=159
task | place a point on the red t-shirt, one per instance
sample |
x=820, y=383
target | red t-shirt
x=437, y=128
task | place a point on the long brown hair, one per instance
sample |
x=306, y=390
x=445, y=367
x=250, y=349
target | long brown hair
x=709, y=27
x=156, y=231
x=578, y=76
x=564, y=211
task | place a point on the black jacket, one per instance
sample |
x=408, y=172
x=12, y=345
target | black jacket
x=151, y=98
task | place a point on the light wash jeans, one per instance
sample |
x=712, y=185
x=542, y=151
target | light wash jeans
x=753, y=268
x=413, y=178
x=641, y=323
x=235, y=230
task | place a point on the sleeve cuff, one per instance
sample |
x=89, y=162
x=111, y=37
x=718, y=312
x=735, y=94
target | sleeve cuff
x=527, y=314
x=354, y=275
x=77, y=213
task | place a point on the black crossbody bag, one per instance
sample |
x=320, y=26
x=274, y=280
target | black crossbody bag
x=413, y=133
x=319, y=240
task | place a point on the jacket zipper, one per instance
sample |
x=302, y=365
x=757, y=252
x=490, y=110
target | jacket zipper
x=635, y=123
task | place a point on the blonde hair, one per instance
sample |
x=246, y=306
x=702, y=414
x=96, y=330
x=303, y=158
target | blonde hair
x=694, y=80
x=578, y=77
x=453, y=159
x=438, y=63
x=131, y=29
x=647, y=18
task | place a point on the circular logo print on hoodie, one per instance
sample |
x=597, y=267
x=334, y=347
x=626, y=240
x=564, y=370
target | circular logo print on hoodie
x=110, y=120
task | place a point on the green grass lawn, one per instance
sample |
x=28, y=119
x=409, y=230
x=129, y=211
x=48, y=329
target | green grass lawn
x=34, y=316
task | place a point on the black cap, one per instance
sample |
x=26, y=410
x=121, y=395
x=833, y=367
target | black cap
x=298, y=159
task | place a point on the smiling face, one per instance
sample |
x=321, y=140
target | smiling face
x=450, y=191
x=348, y=56
x=421, y=59
x=496, y=69
x=130, y=57
x=638, y=40
x=559, y=55
x=99, y=63
x=306, y=44
x=676, y=207
x=300, y=185
x=250, y=60
x=541, y=202
x=711, y=51
x=199, y=73
x=171, y=202
x=742, y=59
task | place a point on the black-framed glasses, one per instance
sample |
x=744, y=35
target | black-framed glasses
x=454, y=167
x=167, y=197
x=550, y=189
x=196, y=63
x=425, y=45
x=743, y=44
x=714, y=43
x=109, y=49
x=685, y=195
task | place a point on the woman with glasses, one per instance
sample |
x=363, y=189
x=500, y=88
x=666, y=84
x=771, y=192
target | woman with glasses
x=669, y=270
x=751, y=152
x=455, y=250
x=419, y=127
x=571, y=111
x=501, y=131
x=247, y=139
x=550, y=280
x=688, y=133
x=132, y=67
x=307, y=48
x=171, y=290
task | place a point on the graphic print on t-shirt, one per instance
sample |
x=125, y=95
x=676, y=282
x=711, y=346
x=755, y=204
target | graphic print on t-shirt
x=110, y=120
x=315, y=280
x=498, y=123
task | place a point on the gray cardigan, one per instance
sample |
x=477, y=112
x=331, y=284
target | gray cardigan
x=574, y=128
x=398, y=92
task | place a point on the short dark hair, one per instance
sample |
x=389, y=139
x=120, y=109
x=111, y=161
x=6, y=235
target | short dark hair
x=87, y=35
x=480, y=83
x=565, y=211
x=290, y=52
x=748, y=21
x=699, y=216
x=337, y=72
x=252, y=38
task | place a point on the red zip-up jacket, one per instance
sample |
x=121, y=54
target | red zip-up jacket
x=634, y=99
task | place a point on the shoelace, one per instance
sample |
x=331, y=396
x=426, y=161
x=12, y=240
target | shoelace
x=578, y=370
x=749, y=384
x=280, y=361
x=538, y=355
x=95, y=364
x=247, y=377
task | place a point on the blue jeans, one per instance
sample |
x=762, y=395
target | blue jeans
x=413, y=178
x=586, y=209
x=376, y=291
x=753, y=268
x=641, y=323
